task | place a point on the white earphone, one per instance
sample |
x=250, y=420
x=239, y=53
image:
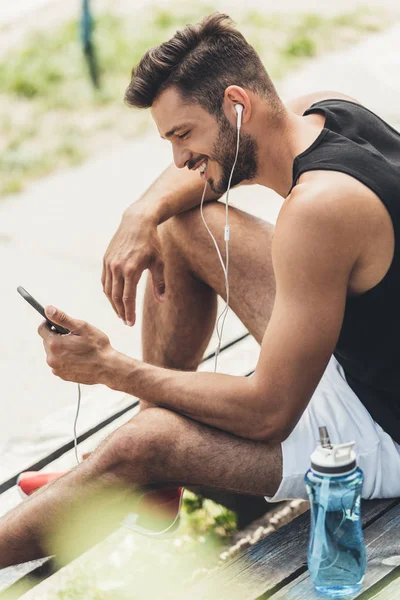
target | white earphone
x=239, y=110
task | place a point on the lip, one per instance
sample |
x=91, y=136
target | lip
x=200, y=162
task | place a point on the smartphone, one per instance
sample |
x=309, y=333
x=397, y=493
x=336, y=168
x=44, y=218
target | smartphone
x=40, y=310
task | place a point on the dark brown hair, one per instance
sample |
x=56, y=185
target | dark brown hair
x=201, y=61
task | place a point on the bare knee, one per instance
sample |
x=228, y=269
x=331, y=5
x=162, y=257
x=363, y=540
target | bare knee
x=187, y=229
x=140, y=448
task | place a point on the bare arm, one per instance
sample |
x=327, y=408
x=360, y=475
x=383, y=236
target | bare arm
x=174, y=191
x=315, y=250
x=135, y=246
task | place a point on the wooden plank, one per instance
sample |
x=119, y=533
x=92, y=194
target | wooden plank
x=387, y=589
x=382, y=539
x=10, y=576
x=273, y=562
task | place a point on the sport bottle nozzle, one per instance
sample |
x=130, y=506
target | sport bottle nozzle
x=324, y=437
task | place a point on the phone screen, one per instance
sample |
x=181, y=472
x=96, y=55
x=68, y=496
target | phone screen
x=31, y=300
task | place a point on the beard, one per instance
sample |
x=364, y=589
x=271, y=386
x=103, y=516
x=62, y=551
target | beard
x=224, y=152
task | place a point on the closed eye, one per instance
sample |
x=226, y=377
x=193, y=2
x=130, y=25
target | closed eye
x=183, y=136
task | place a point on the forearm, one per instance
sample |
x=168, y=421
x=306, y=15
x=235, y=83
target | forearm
x=223, y=401
x=173, y=192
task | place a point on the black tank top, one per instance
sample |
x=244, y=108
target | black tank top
x=358, y=142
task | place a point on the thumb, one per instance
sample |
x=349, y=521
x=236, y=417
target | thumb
x=60, y=318
x=157, y=275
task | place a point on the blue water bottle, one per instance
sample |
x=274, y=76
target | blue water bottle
x=336, y=550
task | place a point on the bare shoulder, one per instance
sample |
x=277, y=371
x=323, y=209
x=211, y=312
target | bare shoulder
x=299, y=104
x=319, y=215
x=336, y=221
x=325, y=195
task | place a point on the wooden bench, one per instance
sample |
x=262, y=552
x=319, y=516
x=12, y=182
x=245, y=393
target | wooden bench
x=276, y=566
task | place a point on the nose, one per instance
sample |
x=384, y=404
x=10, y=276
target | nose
x=181, y=156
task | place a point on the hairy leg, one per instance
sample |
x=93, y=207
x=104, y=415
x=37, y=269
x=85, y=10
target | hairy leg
x=176, y=333
x=157, y=448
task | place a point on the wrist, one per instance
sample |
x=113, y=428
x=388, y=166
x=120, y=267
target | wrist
x=143, y=211
x=118, y=371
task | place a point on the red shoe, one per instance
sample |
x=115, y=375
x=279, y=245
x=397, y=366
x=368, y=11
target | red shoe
x=30, y=481
x=156, y=512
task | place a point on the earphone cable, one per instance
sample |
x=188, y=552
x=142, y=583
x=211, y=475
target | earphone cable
x=225, y=266
x=224, y=313
x=75, y=423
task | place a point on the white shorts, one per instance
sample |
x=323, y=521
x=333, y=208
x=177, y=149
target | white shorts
x=335, y=405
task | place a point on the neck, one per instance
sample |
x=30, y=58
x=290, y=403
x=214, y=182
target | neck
x=279, y=144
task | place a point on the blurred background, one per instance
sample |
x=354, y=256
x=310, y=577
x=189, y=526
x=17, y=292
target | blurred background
x=73, y=157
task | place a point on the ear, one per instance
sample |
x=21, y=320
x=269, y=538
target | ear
x=233, y=95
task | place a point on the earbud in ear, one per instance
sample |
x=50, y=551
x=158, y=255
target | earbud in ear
x=239, y=110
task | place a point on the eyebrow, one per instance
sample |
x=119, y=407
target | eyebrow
x=172, y=131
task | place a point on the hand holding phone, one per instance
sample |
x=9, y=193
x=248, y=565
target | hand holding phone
x=40, y=310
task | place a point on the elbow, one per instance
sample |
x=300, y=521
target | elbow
x=270, y=435
x=273, y=430
x=269, y=423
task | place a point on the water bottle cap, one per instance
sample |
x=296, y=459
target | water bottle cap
x=334, y=460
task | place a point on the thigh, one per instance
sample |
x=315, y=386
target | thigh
x=251, y=277
x=181, y=451
x=335, y=405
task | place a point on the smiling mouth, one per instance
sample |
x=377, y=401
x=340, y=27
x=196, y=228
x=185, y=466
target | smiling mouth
x=203, y=166
x=199, y=164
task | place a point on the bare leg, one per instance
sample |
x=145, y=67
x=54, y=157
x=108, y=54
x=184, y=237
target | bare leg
x=175, y=334
x=157, y=447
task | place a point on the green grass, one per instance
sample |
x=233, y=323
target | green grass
x=52, y=118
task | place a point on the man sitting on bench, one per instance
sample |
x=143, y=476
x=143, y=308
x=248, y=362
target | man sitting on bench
x=320, y=292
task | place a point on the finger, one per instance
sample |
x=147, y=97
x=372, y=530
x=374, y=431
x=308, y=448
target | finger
x=157, y=274
x=116, y=294
x=108, y=288
x=129, y=298
x=44, y=330
x=61, y=318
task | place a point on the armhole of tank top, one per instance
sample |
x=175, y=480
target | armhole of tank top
x=369, y=185
x=322, y=109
